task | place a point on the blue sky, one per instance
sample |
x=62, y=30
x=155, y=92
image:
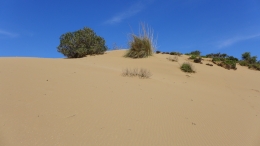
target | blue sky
x=30, y=28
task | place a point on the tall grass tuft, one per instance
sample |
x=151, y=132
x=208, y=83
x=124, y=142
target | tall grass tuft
x=143, y=45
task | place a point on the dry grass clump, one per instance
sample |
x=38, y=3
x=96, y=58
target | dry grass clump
x=143, y=45
x=142, y=73
x=188, y=67
x=173, y=58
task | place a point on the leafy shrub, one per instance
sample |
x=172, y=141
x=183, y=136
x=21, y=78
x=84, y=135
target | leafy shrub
x=232, y=58
x=142, y=73
x=246, y=56
x=187, y=67
x=197, y=53
x=198, y=60
x=255, y=66
x=225, y=62
x=143, y=45
x=81, y=43
x=158, y=52
x=230, y=64
x=250, y=61
x=167, y=53
x=243, y=63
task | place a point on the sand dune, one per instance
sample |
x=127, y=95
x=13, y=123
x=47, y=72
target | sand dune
x=65, y=102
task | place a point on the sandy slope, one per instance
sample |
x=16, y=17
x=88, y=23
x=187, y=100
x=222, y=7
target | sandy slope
x=65, y=102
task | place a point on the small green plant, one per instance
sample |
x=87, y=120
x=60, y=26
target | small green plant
x=143, y=45
x=81, y=43
x=187, y=67
x=158, y=52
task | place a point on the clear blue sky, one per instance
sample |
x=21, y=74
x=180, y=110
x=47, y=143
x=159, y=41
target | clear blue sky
x=31, y=28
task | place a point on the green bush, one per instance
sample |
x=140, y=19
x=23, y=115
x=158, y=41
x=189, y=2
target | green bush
x=193, y=57
x=158, y=52
x=197, y=53
x=246, y=56
x=81, y=43
x=141, y=46
x=218, y=59
x=243, y=63
x=231, y=63
x=187, y=67
x=228, y=63
x=250, y=61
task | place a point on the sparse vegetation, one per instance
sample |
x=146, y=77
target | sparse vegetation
x=227, y=63
x=188, y=67
x=223, y=60
x=250, y=61
x=175, y=53
x=143, y=45
x=81, y=43
x=173, y=58
x=197, y=53
x=142, y=73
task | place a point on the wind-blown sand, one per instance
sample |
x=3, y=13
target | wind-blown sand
x=74, y=102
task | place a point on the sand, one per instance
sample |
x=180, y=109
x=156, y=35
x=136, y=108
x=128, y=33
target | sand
x=87, y=102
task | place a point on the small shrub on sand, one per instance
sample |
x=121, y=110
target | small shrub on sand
x=143, y=45
x=187, y=67
x=158, y=52
x=197, y=53
x=198, y=60
x=142, y=73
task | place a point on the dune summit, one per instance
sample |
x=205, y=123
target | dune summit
x=87, y=101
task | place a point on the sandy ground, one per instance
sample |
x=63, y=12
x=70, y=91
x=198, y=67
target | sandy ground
x=87, y=102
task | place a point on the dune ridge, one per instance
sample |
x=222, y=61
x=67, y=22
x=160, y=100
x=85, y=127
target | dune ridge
x=87, y=101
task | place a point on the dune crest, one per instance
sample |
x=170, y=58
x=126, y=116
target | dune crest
x=87, y=101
